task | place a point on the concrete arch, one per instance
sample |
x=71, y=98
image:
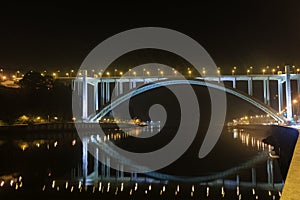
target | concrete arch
x=267, y=109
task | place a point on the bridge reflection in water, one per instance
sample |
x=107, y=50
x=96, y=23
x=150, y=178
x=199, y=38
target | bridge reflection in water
x=240, y=166
x=249, y=164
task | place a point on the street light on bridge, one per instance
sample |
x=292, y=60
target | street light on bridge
x=219, y=71
x=162, y=73
x=263, y=71
x=273, y=71
x=175, y=72
x=248, y=71
x=144, y=70
x=203, y=71
x=233, y=71
x=293, y=68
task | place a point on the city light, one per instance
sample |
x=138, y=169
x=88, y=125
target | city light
x=295, y=101
x=203, y=71
x=162, y=73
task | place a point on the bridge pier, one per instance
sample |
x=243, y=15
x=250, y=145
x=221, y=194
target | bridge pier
x=250, y=89
x=107, y=167
x=102, y=93
x=288, y=93
x=234, y=83
x=116, y=88
x=84, y=96
x=280, y=96
x=107, y=92
x=253, y=176
x=121, y=88
x=266, y=91
x=96, y=100
x=96, y=163
x=103, y=166
x=84, y=159
x=270, y=171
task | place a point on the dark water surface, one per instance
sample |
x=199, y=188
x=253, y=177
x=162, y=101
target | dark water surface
x=48, y=164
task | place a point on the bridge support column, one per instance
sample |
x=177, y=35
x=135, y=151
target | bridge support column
x=103, y=166
x=108, y=167
x=288, y=93
x=134, y=84
x=84, y=96
x=121, y=170
x=121, y=88
x=116, y=88
x=253, y=175
x=84, y=159
x=237, y=180
x=280, y=96
x=130, y=84
x=234, y=83
x=270, y=171
x=250, y=89
x=102, y=92
x=96, y=100
x=96, y=163
x=266, y=91
x=107, y=92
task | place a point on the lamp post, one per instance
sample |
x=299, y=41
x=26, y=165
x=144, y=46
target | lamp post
x=233, y=72
x=273, y=71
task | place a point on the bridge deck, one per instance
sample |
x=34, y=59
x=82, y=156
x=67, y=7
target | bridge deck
x=291, y=189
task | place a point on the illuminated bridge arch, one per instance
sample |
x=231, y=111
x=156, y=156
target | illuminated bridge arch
x=267, y=109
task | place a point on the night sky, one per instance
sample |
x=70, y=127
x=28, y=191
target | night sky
x=58, y=36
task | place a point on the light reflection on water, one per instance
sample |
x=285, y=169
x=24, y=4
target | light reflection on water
x=60, y=182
